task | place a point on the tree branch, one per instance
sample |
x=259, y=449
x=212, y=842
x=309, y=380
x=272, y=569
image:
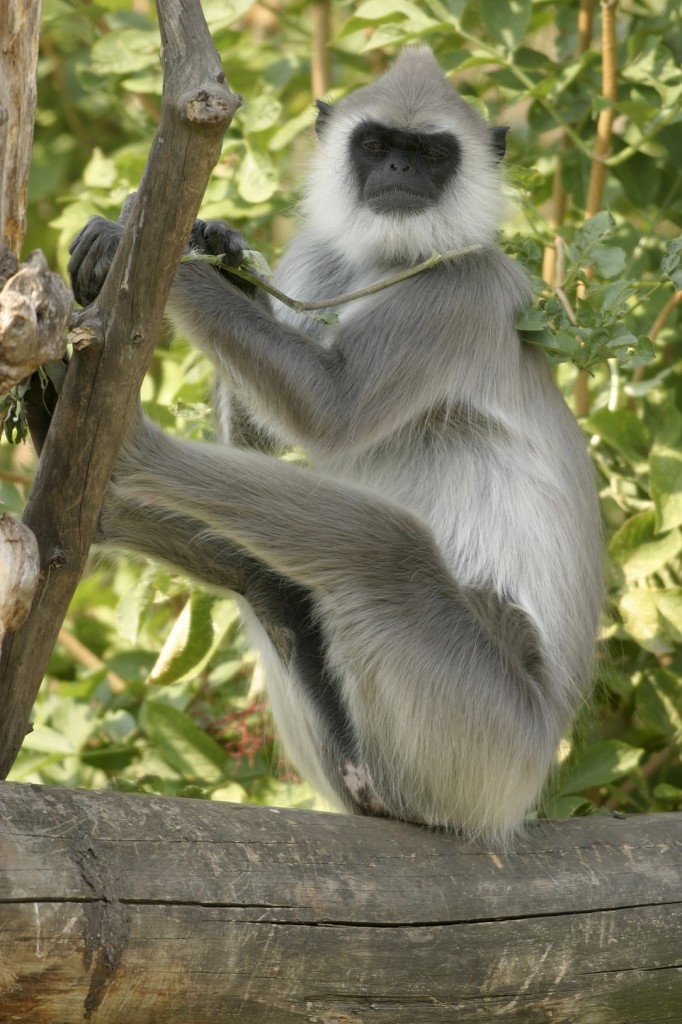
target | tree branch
x=19, y=48
x=103, y=381
x=558, y=203
x=595, y=189
x=321, y=71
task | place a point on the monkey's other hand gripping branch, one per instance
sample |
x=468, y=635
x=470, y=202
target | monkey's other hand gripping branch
x=94, y=247
x=92, y=252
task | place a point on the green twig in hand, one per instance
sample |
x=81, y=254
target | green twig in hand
x=309, y=307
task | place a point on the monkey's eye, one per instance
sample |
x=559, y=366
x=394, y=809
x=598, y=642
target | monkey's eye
x=435, y=153
x=374, y=145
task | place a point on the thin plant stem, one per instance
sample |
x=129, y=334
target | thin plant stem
x=595, y=189
x=558, y=206
x=301, y=306
x=320, y=69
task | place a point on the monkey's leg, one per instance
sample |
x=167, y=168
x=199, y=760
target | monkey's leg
x=444, y=685
x=284, y=609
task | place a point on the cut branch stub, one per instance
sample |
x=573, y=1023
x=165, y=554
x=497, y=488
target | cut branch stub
x=35, y=307
x=205, y=108
x=19, y=573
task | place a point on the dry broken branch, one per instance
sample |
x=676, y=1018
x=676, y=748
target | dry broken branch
x=35, y=307
x=103, y=381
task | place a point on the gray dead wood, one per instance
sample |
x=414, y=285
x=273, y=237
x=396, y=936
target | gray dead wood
x=103, y=380
x=19, y=20
x=34, y=303
x=148, y=910
x=19, y=573
x=35, y=309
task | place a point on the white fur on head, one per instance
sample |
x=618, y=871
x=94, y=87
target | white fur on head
x=413, y=94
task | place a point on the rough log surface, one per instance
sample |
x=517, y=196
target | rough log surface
x=103, y=381
x=149, y=910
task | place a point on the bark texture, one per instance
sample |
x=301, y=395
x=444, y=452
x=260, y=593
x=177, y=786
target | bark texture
x=149, y=910
x=103, y=380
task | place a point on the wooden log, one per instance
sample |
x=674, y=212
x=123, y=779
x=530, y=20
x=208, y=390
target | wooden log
x=149, y=910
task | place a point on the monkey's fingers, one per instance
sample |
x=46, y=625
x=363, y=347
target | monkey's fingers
x=92, y=252
x=221, y=239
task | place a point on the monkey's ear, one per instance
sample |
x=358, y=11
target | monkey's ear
x=324, y=112
x=499, y=140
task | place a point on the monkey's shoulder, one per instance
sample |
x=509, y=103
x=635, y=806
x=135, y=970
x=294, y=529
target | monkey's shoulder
x=487, y=275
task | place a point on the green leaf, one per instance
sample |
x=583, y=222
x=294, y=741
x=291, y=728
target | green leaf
x=669, y=604
x=220, y=14
x=231, y=793
x=640, y=353
x=182, y=744
x=257, y=178
x=565, y=806
x=531, y=319
x=668, y=794
x=671, y=264
x=623, y=431
x=653, y=617
x=125, y=51
x=255, y=263
x=291, y=128
x=666, y=418
x=665, y=485
x=608, y=260
x=329, y=317
x=261, y=113
x=48, y=741
x=386, y=10
x=189, y=641
x=639, y=612
x=593, y=229
x=506, y=23
x=101, y=171
x=448, y=10
x=602, y=763
x=659, y=703
x=636, y=549
x=135, y=603
x=55, y=370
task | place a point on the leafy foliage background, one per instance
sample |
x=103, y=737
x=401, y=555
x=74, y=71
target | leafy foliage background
x=152, y=686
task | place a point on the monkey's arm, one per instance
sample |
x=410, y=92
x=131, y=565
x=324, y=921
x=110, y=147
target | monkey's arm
x=394, y=356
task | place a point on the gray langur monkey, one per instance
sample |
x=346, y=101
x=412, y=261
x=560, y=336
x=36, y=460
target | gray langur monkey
x=426, y=595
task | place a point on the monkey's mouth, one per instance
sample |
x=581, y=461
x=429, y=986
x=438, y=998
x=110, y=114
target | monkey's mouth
x=398, y=200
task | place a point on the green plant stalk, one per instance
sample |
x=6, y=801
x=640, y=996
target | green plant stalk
x=309, y=307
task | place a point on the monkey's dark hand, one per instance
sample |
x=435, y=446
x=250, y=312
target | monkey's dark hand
x=92, y=252
x=216, y=238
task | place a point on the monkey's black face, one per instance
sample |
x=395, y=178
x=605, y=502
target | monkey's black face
x=399, y=171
